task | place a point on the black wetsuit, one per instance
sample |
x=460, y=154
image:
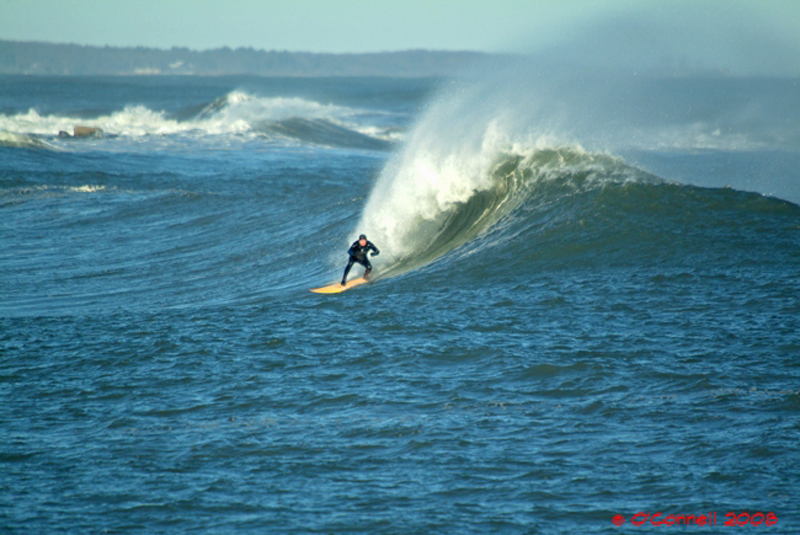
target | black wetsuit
x=358, y=253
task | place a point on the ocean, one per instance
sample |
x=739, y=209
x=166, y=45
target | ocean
x=584, y=318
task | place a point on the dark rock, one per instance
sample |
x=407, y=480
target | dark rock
x=84, y=131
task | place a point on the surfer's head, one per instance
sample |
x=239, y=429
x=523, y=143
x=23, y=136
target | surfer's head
x=362, y=240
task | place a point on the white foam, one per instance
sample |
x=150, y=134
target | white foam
x=88, y=188
x=447, y=159
x=239, y=114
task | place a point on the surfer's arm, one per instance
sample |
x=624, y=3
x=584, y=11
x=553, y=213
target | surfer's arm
x=375, y=251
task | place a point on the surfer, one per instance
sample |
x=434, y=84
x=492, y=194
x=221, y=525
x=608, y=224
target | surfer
x=358, y=253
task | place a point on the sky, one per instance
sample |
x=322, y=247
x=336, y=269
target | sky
x=388, y=25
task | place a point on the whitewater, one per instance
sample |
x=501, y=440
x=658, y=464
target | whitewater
x=585, y=308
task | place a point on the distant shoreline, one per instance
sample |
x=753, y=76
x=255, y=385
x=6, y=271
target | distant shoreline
x=41, y=58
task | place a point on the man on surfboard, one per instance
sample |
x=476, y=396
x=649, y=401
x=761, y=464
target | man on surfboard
x=358, y=253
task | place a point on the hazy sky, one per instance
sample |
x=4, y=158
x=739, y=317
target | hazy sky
x=383, y=25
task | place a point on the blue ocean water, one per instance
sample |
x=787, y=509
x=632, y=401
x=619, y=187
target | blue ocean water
x=586, y=305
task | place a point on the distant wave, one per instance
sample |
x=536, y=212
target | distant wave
x=322, y=132
x=235, y=113
x=23, y=141
x=238, y=105
x=130, y=121
x=296, y=118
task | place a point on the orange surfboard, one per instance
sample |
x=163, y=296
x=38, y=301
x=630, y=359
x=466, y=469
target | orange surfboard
x=336, y=288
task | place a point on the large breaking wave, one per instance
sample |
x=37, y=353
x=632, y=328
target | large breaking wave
x=472, y=160
x=496, y=140
x=427, y=208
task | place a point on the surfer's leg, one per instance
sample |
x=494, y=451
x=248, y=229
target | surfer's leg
x=347, y=270
x=366, y=263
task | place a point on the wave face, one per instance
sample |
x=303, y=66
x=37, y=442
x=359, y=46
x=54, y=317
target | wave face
x=425, y=209
x=322, y=132
x=535, y=209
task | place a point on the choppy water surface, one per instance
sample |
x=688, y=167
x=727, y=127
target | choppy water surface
x=563, y=327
